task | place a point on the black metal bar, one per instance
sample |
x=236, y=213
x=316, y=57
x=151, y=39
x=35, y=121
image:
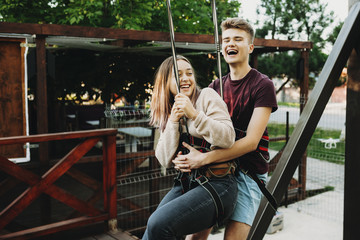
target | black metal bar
x=172, y=40
x=286, y=141
x=352, y=150
x=346, y=41
x=217, y=45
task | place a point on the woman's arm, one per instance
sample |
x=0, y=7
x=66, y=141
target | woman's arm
x=168, y=144
x=242, y=146
x=213, y=122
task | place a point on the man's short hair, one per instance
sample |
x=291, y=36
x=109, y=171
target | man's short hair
x=239, y=23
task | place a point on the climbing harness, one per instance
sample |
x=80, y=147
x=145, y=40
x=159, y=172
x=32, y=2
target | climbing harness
x=198, y=176
x=261, y=148
x=202, y=175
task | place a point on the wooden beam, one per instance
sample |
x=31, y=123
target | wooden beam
x=54, y=227
x=275, y=43
x=123, y=34
x=30, y=194
x=41, y=85
x=58, y=136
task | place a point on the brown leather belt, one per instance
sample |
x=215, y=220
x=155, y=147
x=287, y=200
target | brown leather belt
x=220, y=170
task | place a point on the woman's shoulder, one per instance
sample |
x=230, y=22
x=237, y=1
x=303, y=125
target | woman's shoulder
x=208, y=93
x=209, y=96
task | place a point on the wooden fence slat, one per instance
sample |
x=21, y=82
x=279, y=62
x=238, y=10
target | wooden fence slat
x=52, y=190
x=84, y=179
x=57, y=136
x=109, y=150
x=45, y=184
x=28, y=196
x=53, y=228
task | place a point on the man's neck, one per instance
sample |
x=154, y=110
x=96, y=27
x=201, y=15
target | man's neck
x=239, y=71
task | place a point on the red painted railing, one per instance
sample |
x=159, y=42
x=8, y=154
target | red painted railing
x=38, y=185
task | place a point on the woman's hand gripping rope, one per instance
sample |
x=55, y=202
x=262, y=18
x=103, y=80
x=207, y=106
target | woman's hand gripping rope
x=193, y=160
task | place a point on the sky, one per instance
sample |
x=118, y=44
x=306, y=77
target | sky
x=340, y=8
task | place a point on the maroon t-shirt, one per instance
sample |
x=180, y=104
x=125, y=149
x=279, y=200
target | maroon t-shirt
x=242, y=96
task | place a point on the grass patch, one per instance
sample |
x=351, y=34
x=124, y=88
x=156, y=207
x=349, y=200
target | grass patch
x=289, y=104
x=315, y=149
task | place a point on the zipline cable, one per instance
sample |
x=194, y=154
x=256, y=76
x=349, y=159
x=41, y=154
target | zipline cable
x=172, y=40
x=217, y=45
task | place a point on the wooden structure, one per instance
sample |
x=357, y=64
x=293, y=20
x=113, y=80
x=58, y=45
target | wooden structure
x=44, y=33
x=45, y=183
x=44, y=36
x=12, y=94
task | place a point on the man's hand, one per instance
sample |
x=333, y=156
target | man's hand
x=193, y=160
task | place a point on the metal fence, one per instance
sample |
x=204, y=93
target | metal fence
x=324, y=163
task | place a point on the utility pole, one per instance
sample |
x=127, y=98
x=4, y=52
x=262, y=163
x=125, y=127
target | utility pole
x=352, y=150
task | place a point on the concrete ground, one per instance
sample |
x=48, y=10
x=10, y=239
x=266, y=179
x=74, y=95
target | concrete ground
x=319, y=217
x=300, y=226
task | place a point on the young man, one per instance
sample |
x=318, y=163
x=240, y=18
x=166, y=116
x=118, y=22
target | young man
x=250, y=97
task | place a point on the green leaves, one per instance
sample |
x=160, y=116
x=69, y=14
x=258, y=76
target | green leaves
x=295, y=20
x=188, y=16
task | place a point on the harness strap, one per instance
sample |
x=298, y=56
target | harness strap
x=263, y=144
x=199, y=142
x=183, y=178
x=264, y=190
x=199, y=176
x=219, y=207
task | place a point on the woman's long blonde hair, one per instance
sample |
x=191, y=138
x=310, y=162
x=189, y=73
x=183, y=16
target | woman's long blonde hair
x=162, y=99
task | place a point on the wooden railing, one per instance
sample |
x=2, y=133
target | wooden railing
x=45, y=184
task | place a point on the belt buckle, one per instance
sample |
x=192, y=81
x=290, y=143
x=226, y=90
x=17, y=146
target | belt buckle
x=202, y=182
x=244, y=171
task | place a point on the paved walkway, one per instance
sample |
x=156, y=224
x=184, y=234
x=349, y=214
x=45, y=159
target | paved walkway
x=319, y=217
x=333, y=116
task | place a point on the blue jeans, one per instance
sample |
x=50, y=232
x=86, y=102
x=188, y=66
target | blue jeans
x=181, y=214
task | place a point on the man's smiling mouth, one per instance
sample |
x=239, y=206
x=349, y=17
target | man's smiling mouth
x=231, y=52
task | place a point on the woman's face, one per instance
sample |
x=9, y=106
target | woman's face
x=186, y=77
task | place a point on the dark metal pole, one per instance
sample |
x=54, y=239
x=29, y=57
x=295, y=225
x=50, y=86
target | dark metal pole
x=217, y=45
x=348, y=38
x=172, y=40
x=352, y=150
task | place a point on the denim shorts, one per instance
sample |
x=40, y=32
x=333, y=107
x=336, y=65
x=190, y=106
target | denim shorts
x=248, y=200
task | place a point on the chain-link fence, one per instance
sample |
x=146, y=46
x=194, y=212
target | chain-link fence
x=324, y=172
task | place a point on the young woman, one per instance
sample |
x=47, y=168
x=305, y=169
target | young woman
x=207, y=195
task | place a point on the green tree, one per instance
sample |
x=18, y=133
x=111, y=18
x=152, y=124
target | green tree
x=334, y=34
x=295, y=20
x=188, y=16
x=25, y=11
x=191, y=16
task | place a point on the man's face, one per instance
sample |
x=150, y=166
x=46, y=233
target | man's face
x=236, y=46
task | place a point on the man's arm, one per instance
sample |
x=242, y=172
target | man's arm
x=249, y=143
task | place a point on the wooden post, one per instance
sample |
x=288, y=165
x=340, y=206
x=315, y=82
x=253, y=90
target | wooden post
x=109, y=180
x=304, y=93
x=254, y=60
x=352, y=150
x=42, y=118
x=41, y=86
